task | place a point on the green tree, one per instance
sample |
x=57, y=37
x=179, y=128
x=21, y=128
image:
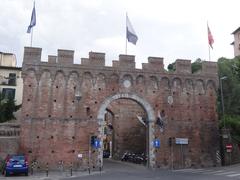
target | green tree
x=231, y=85
x=7, y=108
x=231, y=95
x=196, y=65
x=171, y=67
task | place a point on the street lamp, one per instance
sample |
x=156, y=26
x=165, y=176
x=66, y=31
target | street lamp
x=222, y=78
x=78, y=95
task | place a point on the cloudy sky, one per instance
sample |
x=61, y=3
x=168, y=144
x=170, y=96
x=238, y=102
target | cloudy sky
x=172, y=29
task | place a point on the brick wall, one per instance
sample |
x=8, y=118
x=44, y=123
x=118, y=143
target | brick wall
x=52, y=114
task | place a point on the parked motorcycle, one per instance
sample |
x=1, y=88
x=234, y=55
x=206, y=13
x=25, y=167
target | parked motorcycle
x=134, y=158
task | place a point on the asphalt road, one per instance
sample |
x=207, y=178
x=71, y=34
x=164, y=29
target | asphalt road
x=115, y=170
x=119, y=171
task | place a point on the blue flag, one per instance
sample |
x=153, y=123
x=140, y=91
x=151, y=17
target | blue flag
x=33, y=20
x=131, y=35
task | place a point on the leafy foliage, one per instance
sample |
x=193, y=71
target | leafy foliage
x=196, y=65
x=7, y=108
x=232, y=122
x=231, y=85
x=231, y=94
x=171, y=67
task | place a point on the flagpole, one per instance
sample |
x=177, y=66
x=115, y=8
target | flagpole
x=209, y=53
x=126, y=36
x=32, y=27
x=208, y=43
x=31, y=37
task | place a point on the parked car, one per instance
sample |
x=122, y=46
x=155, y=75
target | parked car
x=15, y=164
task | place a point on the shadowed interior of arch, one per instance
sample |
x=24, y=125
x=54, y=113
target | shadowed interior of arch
x=125, y=132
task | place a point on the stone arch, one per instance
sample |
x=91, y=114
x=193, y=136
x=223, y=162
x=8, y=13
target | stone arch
x=211, y=85
x=199, y=86
x=72, y=86
x=189, y=85
x=101, y=81
x=140, y=80
x=165, y=83
x=150, y=119
x=153, y=83
x=87, y=82
x=59, y=72
x=71, y=73
x=114, y=78
x=176, y=84
x=211, y=99
x=44, y=92
x=58, y=94
x=29, y=97
x=73, y=79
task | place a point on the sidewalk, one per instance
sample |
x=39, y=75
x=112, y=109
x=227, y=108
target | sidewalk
x=52, y=175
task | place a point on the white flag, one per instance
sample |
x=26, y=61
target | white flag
x=33, y=20
x=131, y=35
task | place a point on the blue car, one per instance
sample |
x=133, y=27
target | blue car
x=15, y=164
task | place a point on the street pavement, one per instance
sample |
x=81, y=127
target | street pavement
x=115, y=170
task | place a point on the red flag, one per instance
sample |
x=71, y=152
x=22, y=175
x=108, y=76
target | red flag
x=210, y=38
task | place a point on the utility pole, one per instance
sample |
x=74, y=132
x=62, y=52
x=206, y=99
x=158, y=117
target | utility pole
x=222, y=78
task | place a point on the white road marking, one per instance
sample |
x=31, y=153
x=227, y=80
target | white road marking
x=225, y=173
x=233, y=175
x=187, y=170
x=213, y=172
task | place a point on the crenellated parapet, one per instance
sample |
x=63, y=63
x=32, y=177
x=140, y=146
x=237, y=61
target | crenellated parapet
x=32, y=55
x=125, y=61
x=95, y=59
x=52, y=59
x=93, y=68
x=154, y=64
x=183, y=66
x=65, y=58
x=209, y=67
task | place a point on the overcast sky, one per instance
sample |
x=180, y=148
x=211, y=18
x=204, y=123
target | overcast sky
x=172, y=29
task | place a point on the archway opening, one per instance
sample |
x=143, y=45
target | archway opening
x=125, y=132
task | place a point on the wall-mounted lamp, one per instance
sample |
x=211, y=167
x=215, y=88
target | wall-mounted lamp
x=78, y=96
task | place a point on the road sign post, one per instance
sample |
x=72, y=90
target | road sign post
x=229, y=148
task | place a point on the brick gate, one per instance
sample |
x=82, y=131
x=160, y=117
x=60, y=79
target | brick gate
x=64, y=104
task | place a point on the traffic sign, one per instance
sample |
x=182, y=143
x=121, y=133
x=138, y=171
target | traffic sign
x=156, y=143
x=229, y=146
x=181, y=140
x=97, y=143
x=229, y=150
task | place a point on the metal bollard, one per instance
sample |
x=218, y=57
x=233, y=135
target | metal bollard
x=71, y=167
x=100, y=167
x=47, y=169
x=89, y=169
x=32, y=168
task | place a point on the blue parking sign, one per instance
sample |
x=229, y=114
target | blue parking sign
x=97, y=143
x=156, y=143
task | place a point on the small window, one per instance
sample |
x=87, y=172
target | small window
x=12, y=79
x=8, y=93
